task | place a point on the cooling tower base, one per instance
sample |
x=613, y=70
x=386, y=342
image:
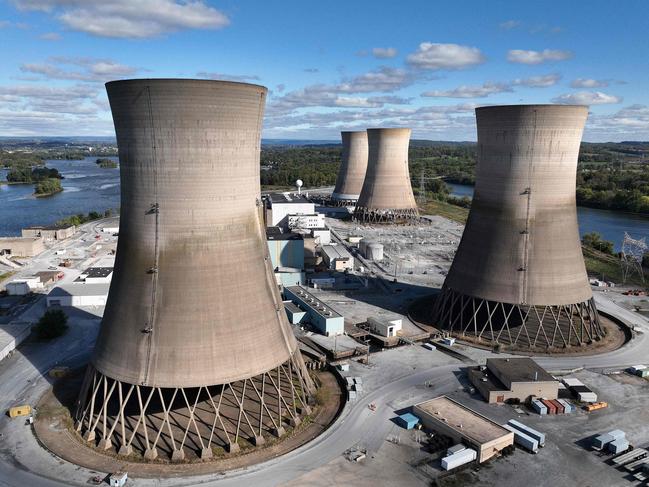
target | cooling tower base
x=373, y=215
x=517, y=325
x=180, y=423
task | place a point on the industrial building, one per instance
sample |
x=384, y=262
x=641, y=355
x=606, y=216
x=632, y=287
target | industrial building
x=194, y=319
x=24, y=285
x=78, y=294
x=12, y=335
x=280, y=205
x=328, y=321
x=51, y=232
x=286, y=249
x=519, y=379
x=337, y=258
x=306, y=222
x=96, y=275
x=518, y=277
x=21, y=246
x=322, y=236
x=387, y=195
x=385, y=327
x=353, y=167
x=463, y=425
x=289, y=276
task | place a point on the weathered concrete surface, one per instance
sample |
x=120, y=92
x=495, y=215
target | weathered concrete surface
x=387, y=182
x=521, y=242
x=353, y=167
x=193, y=300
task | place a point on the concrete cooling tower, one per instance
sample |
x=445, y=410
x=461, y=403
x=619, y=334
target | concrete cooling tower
x=352, y=169
x=518, y=277
x=194, y=350
x=386, y=195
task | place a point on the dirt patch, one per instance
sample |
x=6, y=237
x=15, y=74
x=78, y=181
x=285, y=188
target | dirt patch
x=54, y=429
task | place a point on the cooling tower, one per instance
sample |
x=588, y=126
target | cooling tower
x=352, y=169
x=518, y=277
x=386, y=195
x=194, y=350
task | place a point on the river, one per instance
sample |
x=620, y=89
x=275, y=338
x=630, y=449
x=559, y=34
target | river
x=86, y=187
x=610, y=224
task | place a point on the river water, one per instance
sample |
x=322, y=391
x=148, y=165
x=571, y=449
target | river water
x=87, y=187
x=610, y=224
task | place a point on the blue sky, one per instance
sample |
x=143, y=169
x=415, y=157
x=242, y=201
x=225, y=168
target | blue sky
x=333, y=65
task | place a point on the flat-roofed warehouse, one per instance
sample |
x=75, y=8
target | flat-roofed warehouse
x=513, y=378
x=21, y=246
x=50, y=232
x=450, y=418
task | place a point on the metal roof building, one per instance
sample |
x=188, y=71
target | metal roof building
x=518, y=276
x=190, y=219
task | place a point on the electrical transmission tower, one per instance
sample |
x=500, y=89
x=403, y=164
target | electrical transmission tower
x=632, y=252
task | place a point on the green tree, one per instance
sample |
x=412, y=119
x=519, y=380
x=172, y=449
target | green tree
x=48, y=186
x=594, y=241
x=52, y=324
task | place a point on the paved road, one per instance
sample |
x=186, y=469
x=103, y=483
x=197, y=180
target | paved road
x=22, y=379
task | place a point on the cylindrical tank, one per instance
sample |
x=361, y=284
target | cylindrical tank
x=372, y=250
x=521, y=242
x=387, y=193
x=193, y=310
x=352, y=168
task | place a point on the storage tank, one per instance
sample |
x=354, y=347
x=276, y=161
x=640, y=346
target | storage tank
x=352, y=168
x=518, y=277
x=183, y=325
x=387, y=195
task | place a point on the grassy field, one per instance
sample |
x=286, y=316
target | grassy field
x=598, y=264
x=6, y=275
x=447, y=210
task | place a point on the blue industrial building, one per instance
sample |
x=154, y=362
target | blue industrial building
x=324, y=318
x=286, y=249
x=407, y=420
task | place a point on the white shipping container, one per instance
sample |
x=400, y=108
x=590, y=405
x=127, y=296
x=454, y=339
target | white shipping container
x=460, y=458
x=430, y=346
x=520, y=438
x=587, y=397
x=572, y=382
x=617, y=434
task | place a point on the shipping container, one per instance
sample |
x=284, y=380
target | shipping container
x=539, y=407
x=521, y=439
x=460, y=458
x=537, y=435
x=617, y=434
x=631, y=456
x=644, y=373
x=572, y=382
x=595, y=406
x=618, y=446
x=568, y=407
x=637, y=464
x=455, y=449
x=552, y=409
x=16, y=411
x=602, y=440
x=558, y=405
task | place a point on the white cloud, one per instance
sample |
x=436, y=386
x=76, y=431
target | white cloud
x=445, y=56
x=587, y=98
x=51, y=36
x=384, y=52
x=538, y=81
x=91, y=69
x=470, y=91
x=537, y=57
x=588, y=83
x=509, y=24
x=228, y=77
x=128, y=18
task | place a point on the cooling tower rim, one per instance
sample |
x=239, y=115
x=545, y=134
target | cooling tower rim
x=542, y=106
x=187, y=81
x=354, y=132
x=388, y=129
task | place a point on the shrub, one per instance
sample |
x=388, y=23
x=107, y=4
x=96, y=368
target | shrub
x=52, y=324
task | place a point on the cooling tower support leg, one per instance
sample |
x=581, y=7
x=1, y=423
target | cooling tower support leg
x=184, y=423
x=371, y=215
x=523, y=326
